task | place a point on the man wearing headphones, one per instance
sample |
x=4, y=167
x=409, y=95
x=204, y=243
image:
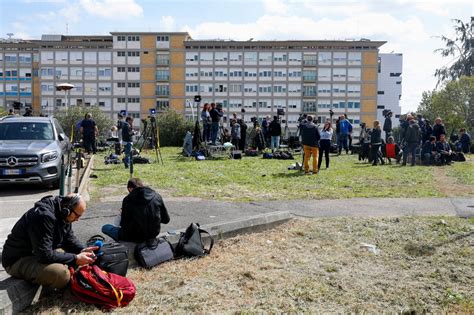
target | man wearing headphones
x=42, y=245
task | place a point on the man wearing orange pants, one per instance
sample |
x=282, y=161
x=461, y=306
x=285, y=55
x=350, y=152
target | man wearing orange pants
x=310, y=139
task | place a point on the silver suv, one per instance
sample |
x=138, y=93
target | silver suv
x=32, y=150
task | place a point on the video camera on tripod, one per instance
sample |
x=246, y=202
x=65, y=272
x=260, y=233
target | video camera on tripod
x=150, y=135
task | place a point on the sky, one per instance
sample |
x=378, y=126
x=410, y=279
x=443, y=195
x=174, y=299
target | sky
x=410, y=27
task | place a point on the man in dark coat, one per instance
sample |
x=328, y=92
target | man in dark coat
x=310, y=139
x=412, y=140
x=438, y=129
x=143, y=211
x=89, y=131
x=274, y=130
x=32, y=250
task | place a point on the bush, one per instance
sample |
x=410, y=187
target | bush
x=172, y=127
x=75, y=114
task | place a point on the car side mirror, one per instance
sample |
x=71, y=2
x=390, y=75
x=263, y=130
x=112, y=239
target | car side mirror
x=62, y=137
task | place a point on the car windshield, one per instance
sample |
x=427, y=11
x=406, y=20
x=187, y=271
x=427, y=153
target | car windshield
x=26, y=131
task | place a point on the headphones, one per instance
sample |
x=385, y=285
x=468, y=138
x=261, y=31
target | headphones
x=69, y=204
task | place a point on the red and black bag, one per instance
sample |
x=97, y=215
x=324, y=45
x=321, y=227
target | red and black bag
x=93, y=285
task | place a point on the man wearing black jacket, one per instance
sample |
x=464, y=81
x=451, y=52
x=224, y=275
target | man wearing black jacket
x=143, y=211
x=310, y=138
x=42, y=245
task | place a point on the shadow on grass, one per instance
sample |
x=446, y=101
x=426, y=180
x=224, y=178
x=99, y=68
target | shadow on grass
x=290, y=174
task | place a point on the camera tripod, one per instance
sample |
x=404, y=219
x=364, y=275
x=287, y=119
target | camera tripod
x=150, y=134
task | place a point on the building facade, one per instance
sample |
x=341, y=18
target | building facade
x=138, y=71
x=389, y=90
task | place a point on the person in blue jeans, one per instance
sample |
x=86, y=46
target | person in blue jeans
x=142, y=213
x=345, y=128
x=127, y=134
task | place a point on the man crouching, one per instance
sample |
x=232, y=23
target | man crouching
x=42, y=245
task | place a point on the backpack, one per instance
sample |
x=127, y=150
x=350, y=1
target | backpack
x=190, y=242
x=93, y=285
x=111, y=257
x=251, y=152
x=267, y=155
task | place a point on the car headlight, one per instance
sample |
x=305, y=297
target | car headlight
x=49, y=156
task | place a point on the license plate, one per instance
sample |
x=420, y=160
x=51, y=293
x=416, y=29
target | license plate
x=12, y=172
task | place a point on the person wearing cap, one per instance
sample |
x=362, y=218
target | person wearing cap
x=42, y=246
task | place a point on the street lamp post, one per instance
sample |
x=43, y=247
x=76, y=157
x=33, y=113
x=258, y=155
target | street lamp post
x=65, y=87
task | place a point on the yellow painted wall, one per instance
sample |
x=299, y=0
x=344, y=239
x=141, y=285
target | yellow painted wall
x=177, y=105
x=148, y=74
x=177, y=41
x=368, y=106
x=177, y=74
x=148, y=89
x=177, y=58
x=369, y=58
x=177, y=90
x=148, y=41
x=369, y=90
x=369, y=74
x=148, y=58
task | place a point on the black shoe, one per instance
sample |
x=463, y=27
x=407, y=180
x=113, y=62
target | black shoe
x=127, y=166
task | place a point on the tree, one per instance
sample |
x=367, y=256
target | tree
x=454, y=103
x=461, y=48
x=70, y=118
x=172, y=127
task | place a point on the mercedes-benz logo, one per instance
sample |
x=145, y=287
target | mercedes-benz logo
x=12, y=161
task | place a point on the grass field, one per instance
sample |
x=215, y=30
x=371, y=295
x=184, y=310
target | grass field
x=424, y=265
x=254, y=178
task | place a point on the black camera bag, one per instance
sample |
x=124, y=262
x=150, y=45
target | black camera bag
x=153, y=252
x=190, y=243
x=111, y=257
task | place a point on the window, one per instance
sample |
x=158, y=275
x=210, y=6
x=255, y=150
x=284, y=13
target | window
x=250, y=56
x=265, y=57
x=294, y=57
x=11, y=58
x=310, y=60
x=44, y=72
x=75, y=56
x=121, y=39
x=120, y=53
x=324, y=58
x=355, y=58
x=309, y=90
x=310, y=106
x=90, y=57
x=206, y=56
x=133, y=84
x=293, y=73
x=353, y=89
x=340, y=58
x=133, y=53
x=134, y=100
x=120, y=69
x=380, y=92
x=192, y=56
x=162, y=59
x=380, y=106
x=279, y=88
x=339, y=74
x=162, y=104
x=133, y=38
x=191, y=88
x=105, y=57
x=324, y=74
x=396, y=74
x=163, y=38
x=265, y=88
x=220, y=56
x=121, y=100
x=163, y=75
x=309, y=75
x=105, y=72
x=353, y=74
x=265, y=73
x=235, y=56
x=235, y=88
x=162, y=90
x=235, y=73
x=120, y=84
x=90, y=73
x=133, y=69
x=281, y=57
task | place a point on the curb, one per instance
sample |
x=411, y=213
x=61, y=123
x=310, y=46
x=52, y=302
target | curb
x=224, y=230
x=16, y=294
x=84, y=180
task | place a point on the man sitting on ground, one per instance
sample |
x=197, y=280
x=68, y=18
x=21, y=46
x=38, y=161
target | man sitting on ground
x=42, y=246
x=429, y=152
x=142, y=213
x=444, y=149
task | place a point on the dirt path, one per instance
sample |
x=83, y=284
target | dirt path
x=449, y=186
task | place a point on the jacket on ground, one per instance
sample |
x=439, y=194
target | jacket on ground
x=143, y=211
x=39, y=232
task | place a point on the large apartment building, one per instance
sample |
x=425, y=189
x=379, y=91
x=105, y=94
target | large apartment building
x=137, y=71
x=389, y=89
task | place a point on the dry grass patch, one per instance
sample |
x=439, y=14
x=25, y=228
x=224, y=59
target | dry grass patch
x=424, y=265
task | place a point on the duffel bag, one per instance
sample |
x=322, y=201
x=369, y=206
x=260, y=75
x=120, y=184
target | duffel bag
x=154, y=252
x=112, y=256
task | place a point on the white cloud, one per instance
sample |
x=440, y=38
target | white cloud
x=167, y=24
x=112, y=9
x=275, y=7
